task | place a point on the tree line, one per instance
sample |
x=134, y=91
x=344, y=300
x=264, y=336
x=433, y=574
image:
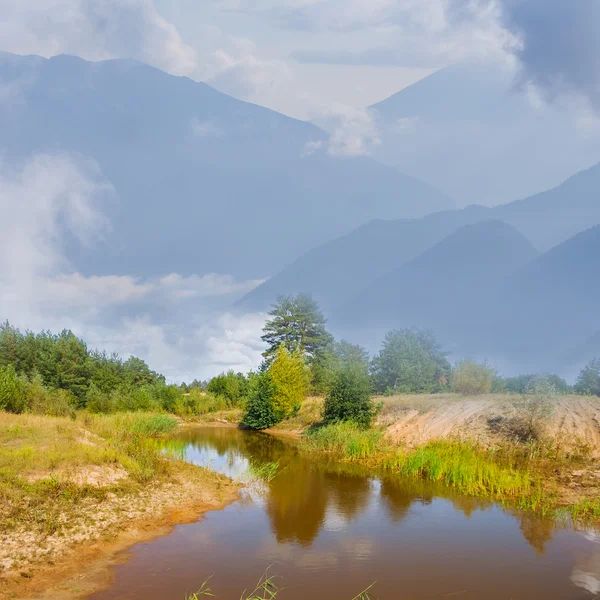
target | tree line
x=57, y=374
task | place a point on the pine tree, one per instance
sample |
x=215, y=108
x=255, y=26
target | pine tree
x=298, y=324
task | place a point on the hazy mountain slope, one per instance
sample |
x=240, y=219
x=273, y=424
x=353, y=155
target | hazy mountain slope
x=550, y=307
x=557, y=214
x=225, y=185
x=441, y=288
x=341, y=268
x=338, y=270
x=471, y=131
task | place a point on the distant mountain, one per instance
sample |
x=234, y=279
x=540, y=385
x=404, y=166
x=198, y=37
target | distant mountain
x=550, y=307
x=224, y=185
x=558, y=214
x=443, y=287
x=471, y=131
x=340, y=269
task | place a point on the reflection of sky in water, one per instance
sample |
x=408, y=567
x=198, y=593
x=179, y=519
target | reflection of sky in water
x=230, y=464
x=586, y=573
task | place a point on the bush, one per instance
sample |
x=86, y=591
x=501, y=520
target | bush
x=55, y=403
x=260, y=410
x=350, y=398
x=12, y=390
x=231, y=386
x=195, y=403
x=588, y=382
x=98, y=401
x=289, y=377
x=470, y=378
x=524, y=383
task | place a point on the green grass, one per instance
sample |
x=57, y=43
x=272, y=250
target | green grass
x=463, y=467
x=41, y=458
x=345, y=440
x=511, y=477
x=265, y=472
x=131, y=425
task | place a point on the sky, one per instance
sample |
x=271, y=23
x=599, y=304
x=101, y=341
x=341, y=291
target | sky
x=306, y=58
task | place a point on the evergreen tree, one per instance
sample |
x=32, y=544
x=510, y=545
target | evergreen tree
x=297, y=323
x=260, y=411
x=9, y=345
x=350, y=397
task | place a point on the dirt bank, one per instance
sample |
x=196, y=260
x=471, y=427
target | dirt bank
x=72, y=500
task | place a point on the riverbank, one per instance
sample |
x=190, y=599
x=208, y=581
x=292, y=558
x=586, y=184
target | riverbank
x=74, y=493
x=534, y=452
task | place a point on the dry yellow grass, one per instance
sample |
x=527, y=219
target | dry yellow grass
x=67, y=482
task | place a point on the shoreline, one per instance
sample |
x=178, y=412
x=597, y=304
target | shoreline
x=94, y=510
x=85, y=568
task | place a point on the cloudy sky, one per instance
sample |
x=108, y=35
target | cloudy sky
x=302, y=57
x=305, y=58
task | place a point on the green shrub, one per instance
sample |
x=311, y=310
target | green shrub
x=231, y=386
x=56, y=403
x=13, y=390
x=470, y=378
x=260, y=410
x=350, y=398
x=196, y=403
x=98, y=401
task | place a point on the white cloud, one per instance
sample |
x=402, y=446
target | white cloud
x=241, y=72
x=179, y=324
x=352, y=131
x=355, y=134
x=95, y=30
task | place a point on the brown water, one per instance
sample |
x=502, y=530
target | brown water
x=330, y=530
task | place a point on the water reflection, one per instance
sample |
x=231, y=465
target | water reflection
x=310, y=492
x=330, y=529
x=586, y=573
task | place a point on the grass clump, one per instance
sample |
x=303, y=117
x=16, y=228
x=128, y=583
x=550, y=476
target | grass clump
x=464, y=467
x=346, y=440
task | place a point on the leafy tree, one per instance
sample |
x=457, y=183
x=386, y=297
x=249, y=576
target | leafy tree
x=297, y=323
x=411, y=361
x=588, y=381
x=289, y=378
x=350, y=397
x=260, y=410
x=337, y=356
x=522, y=384
x=471, y=378
x=233, y=387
